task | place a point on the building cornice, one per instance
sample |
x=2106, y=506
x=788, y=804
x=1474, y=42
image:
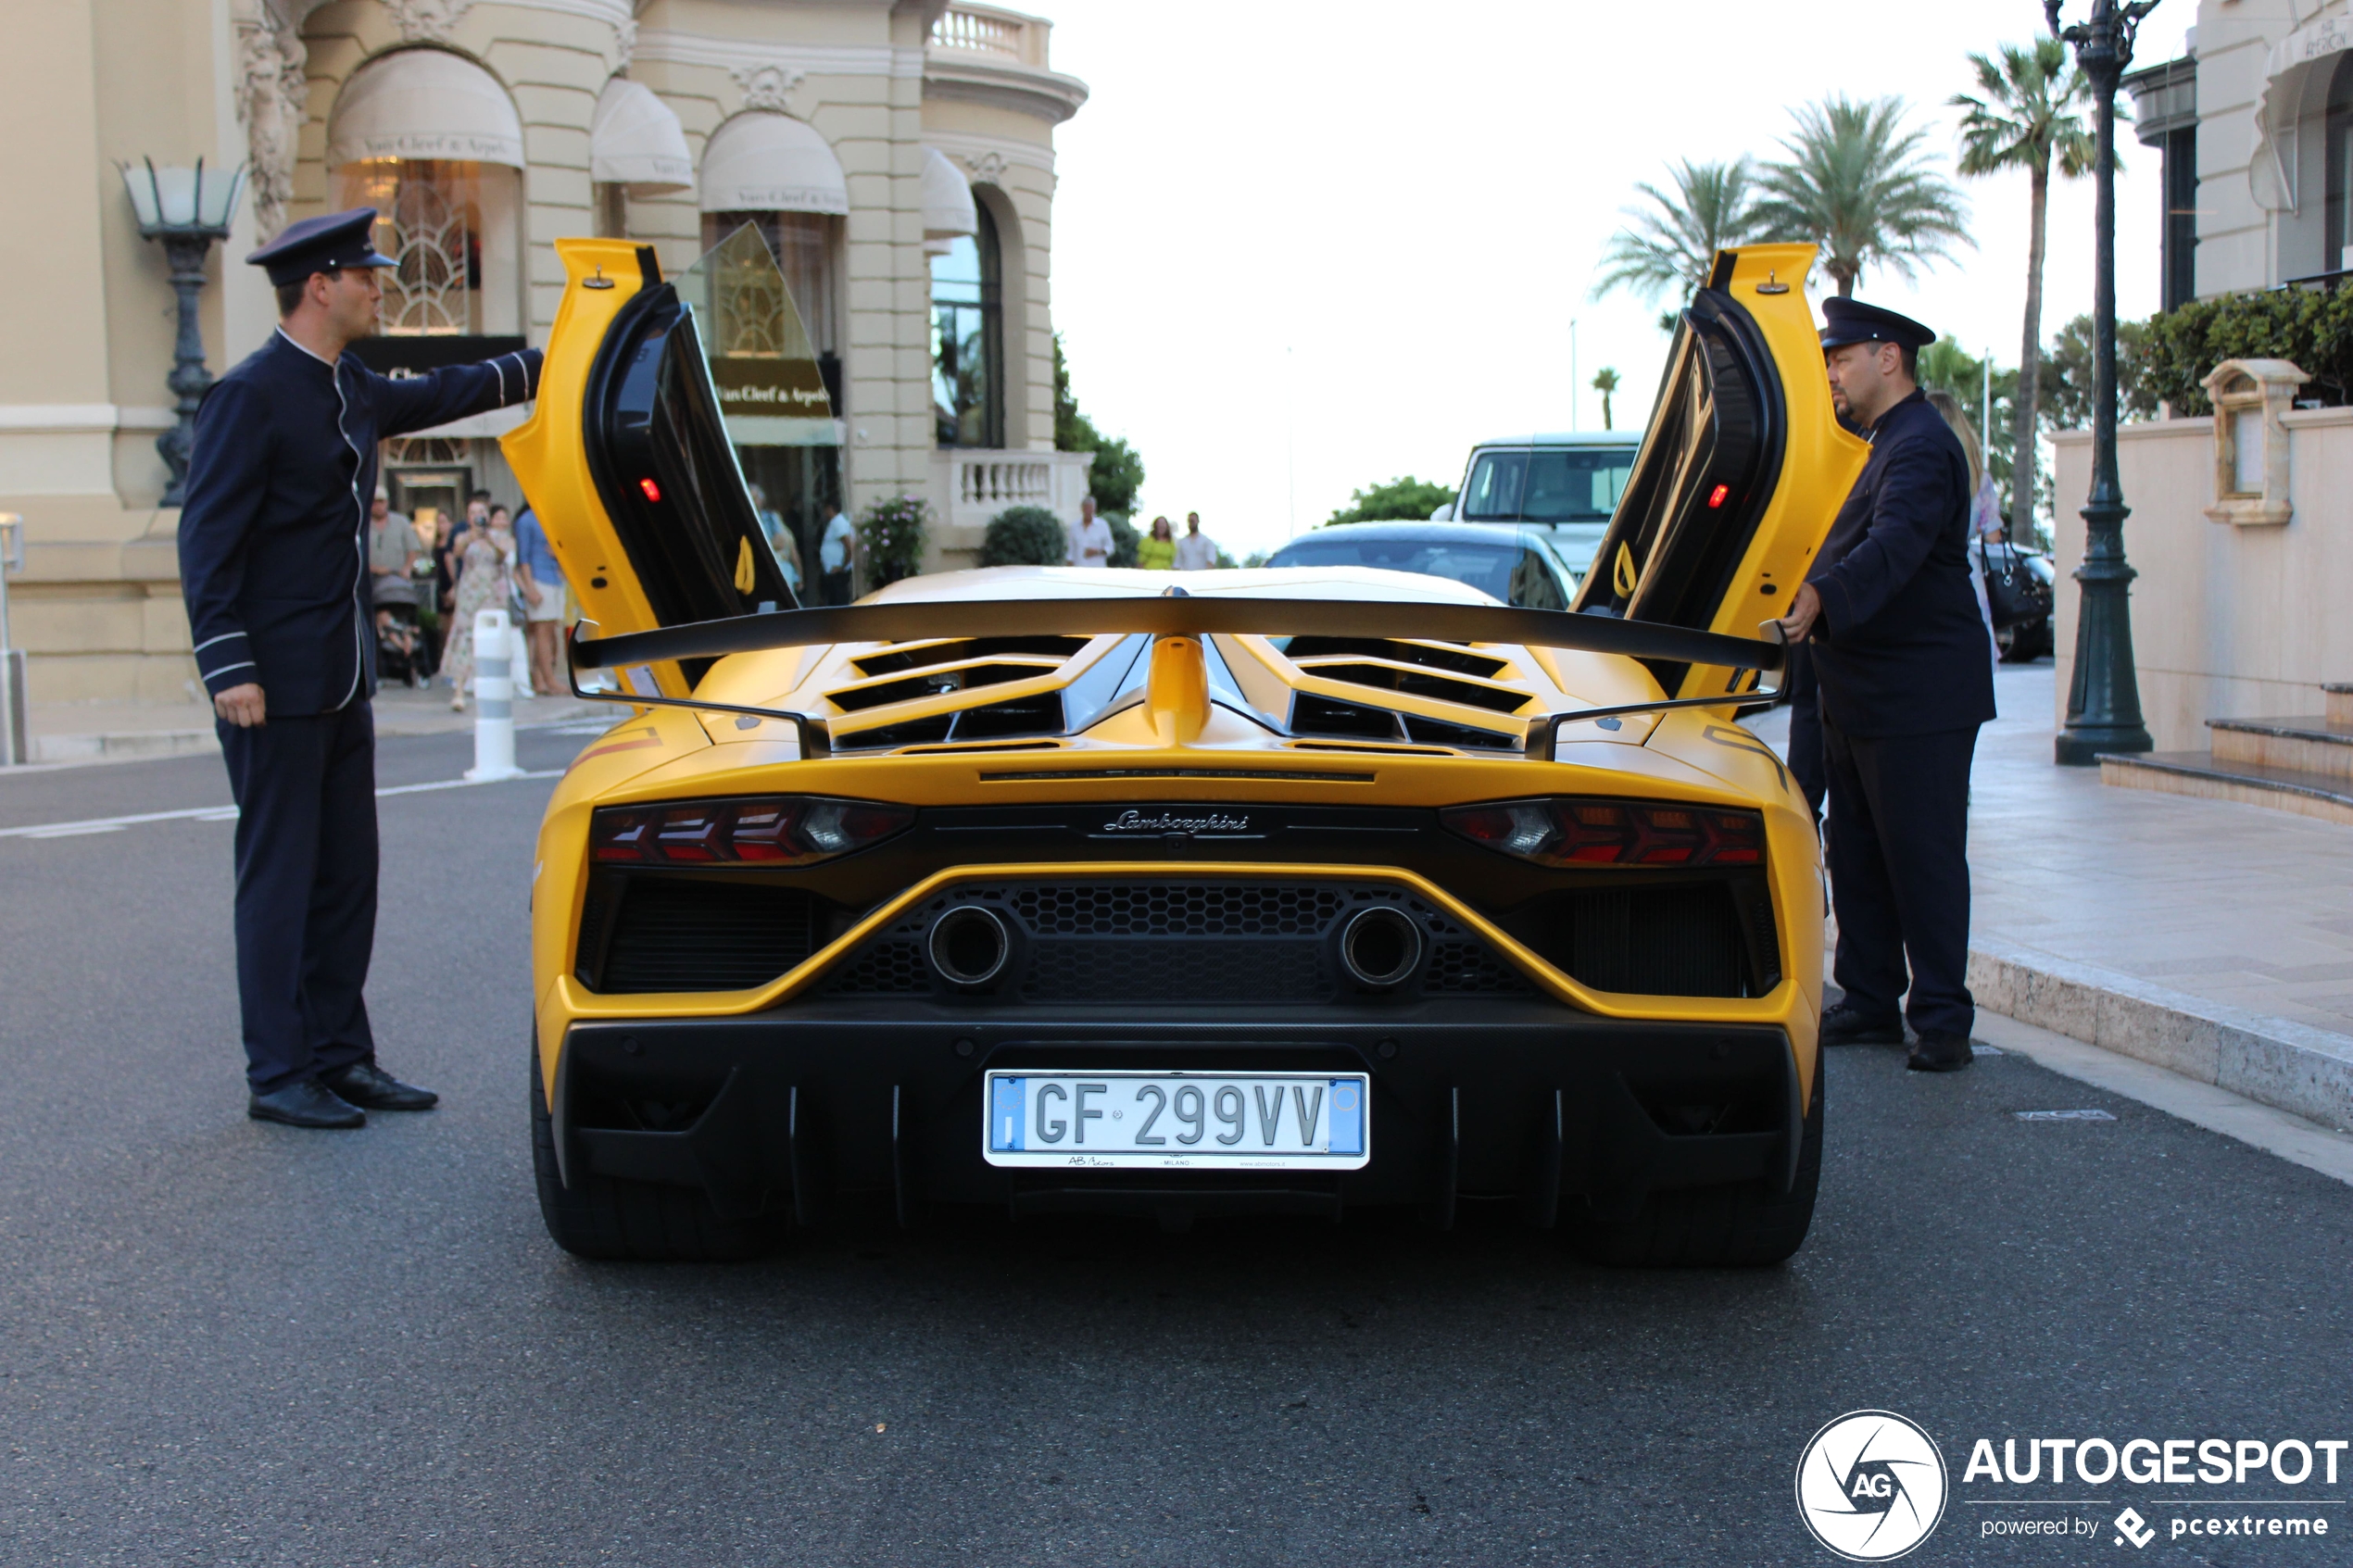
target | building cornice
x=739, y=54
x=973, y=153
x=990, y=79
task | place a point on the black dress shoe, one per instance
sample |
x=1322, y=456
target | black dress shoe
x=1847, y=1024
x=307, y=1104
x=1941, y=1052
x=363, y=1083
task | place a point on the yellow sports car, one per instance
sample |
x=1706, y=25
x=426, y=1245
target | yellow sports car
x=1173, y=893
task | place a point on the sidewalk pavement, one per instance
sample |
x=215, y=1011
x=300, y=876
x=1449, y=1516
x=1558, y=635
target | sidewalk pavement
x=66, y=733
x=2204, y=936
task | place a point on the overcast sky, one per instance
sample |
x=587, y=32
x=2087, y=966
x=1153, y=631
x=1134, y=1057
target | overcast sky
x=1303, y=249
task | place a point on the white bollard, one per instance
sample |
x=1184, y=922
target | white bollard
x=519, y=651
x=494, y=699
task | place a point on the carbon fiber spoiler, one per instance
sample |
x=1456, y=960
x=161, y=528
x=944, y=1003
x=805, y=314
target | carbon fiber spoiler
x=1177, y=614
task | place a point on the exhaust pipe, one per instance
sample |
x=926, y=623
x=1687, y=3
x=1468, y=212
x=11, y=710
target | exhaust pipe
x=1380, y=946
x=969, y=946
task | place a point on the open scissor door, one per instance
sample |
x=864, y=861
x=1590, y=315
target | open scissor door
x=1740, y=471
x=628, y=458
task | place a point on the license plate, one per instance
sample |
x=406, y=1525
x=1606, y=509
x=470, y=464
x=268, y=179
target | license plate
x=1178, y=1121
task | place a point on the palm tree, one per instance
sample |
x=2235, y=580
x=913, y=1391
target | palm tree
x=1671, y=243
x=1606, y=383
x=1858, y=185
x=2026, y=119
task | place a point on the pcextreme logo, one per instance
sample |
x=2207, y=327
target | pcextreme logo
x=1871, y=1486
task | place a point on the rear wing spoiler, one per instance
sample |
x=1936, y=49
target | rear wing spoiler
x=1177, y=613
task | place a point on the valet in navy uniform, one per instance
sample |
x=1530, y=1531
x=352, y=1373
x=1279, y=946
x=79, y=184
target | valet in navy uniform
x=273, y=564
x=1899, y=661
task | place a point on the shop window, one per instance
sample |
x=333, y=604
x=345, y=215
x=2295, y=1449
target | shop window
x=453, y=228
x=967, y=340
x=795, y=489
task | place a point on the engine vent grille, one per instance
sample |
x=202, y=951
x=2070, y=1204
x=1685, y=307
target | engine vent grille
x=1462, y=662
x=1178, y=909
x=1232, y=943
x=1675, y=941
x=921, y=655
x=698, y=934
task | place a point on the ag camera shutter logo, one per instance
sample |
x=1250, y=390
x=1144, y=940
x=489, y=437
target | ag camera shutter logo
x=1871, y=1486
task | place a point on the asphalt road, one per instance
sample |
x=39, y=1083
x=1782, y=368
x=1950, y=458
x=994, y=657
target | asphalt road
x=230, y=1343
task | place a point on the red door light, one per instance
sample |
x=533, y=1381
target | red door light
x=653, y=491
x=1717, y=496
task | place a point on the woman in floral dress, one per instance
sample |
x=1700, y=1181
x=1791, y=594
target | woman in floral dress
x=485, y=564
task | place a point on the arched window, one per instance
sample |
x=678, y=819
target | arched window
x=431, y=141
x=2339, y=141
x=967, y=339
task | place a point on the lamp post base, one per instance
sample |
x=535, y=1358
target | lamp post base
x=2084, y=749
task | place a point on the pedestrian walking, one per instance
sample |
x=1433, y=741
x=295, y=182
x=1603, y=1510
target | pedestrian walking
x=1156, y=551
x=273, y=568
x=1983, y=503
x=485, y=581
x=394, y=549
x=1898, y=657
x=540, y=577
x=1089, y=537
x=836, y=558
x=781, y=544
x=1196, y=551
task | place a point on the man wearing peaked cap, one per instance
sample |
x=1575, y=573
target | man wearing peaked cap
x=273, y=565
x=1903, y=680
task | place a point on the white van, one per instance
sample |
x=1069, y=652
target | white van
x=1564, y=486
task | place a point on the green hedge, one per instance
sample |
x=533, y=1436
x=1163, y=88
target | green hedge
x=1024, y=537
x=2312, y=328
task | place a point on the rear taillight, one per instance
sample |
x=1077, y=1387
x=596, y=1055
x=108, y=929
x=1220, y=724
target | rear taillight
x=1612, y=833
x=777, y=830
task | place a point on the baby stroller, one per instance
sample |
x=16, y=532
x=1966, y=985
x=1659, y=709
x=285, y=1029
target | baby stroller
x=403, y=652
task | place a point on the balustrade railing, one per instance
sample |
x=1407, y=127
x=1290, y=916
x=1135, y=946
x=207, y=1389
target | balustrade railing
x=981, y=31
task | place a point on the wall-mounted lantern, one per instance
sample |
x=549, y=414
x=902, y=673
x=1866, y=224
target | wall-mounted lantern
x=2250, y=441
x=186, y=210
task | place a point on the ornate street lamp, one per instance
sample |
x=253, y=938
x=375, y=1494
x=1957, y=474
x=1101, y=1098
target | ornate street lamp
x=2104, y=699
x=187, y=212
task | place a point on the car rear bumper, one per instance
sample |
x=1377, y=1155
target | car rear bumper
x=1491, y=1099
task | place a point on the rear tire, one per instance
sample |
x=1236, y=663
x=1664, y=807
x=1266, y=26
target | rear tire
x=646, y=1221
x=1743, y=1225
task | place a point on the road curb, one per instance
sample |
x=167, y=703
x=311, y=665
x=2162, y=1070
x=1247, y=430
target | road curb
x=123, y=746
x=2292, y=1066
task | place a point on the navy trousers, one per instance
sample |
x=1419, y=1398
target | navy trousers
x=306, y=910
x=1897, y=844
x=1806, y=730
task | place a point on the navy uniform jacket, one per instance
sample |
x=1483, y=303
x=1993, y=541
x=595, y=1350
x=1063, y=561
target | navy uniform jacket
x=273, y=535
x=1900, y=648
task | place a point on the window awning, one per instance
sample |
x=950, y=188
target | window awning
x=948, y=200
x=423, y=104
x=765, y=162
x=635, y=139
x=2296, y=83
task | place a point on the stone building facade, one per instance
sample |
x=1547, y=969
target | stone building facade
x=897, y=154
x=2262, y=110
